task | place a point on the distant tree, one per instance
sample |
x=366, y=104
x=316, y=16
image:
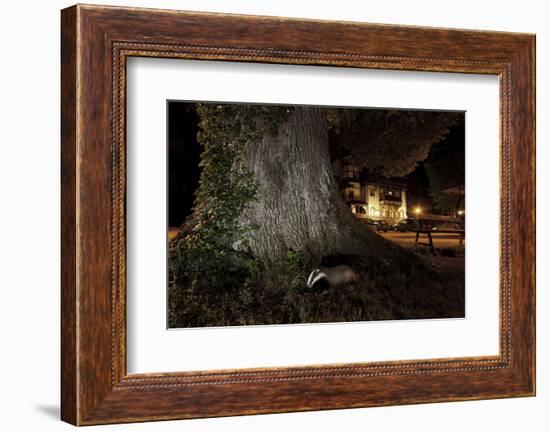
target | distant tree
x=445, y=167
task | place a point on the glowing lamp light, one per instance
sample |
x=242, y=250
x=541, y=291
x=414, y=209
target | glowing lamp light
x=417, y=210
x=461, y=212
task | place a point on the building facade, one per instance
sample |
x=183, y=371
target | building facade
x=368, y=198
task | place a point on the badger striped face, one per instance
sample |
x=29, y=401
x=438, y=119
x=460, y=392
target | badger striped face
x=335, y=276
x=314, y=277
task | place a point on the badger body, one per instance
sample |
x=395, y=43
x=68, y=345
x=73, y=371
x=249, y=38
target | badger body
x=335, y=276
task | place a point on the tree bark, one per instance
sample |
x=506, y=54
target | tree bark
x=298, y=206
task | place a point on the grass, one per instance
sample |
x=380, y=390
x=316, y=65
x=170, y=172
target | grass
x=391, y=294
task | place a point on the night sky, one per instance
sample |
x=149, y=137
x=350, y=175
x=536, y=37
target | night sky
x=183, y=160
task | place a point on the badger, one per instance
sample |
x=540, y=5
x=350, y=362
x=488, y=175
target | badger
x=334, y=276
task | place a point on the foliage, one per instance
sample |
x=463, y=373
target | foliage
x=247, y=294
x=389, y=141
x=281, y=297
x=212, y=241
x=446, y=168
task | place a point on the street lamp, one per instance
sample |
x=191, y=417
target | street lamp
x=417, y=211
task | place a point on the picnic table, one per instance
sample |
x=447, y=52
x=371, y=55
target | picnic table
x=458, y=232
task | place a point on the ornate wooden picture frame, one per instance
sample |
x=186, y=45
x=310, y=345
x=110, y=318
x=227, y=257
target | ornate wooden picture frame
x=96, y=41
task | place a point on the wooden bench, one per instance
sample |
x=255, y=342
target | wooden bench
x=458, y=232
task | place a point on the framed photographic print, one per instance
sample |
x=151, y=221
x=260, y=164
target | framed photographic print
x=265, y=214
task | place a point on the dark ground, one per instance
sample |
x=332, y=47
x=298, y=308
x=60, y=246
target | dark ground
x=383, y=296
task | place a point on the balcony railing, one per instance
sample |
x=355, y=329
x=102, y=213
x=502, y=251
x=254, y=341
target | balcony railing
x=394, y=199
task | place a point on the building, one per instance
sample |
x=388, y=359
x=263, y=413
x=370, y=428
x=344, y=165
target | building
x=371, y=198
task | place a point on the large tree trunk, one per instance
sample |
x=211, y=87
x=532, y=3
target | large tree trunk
x=298, y=204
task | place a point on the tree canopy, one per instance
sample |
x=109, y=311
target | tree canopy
x=445, y=168
x=391, y=141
